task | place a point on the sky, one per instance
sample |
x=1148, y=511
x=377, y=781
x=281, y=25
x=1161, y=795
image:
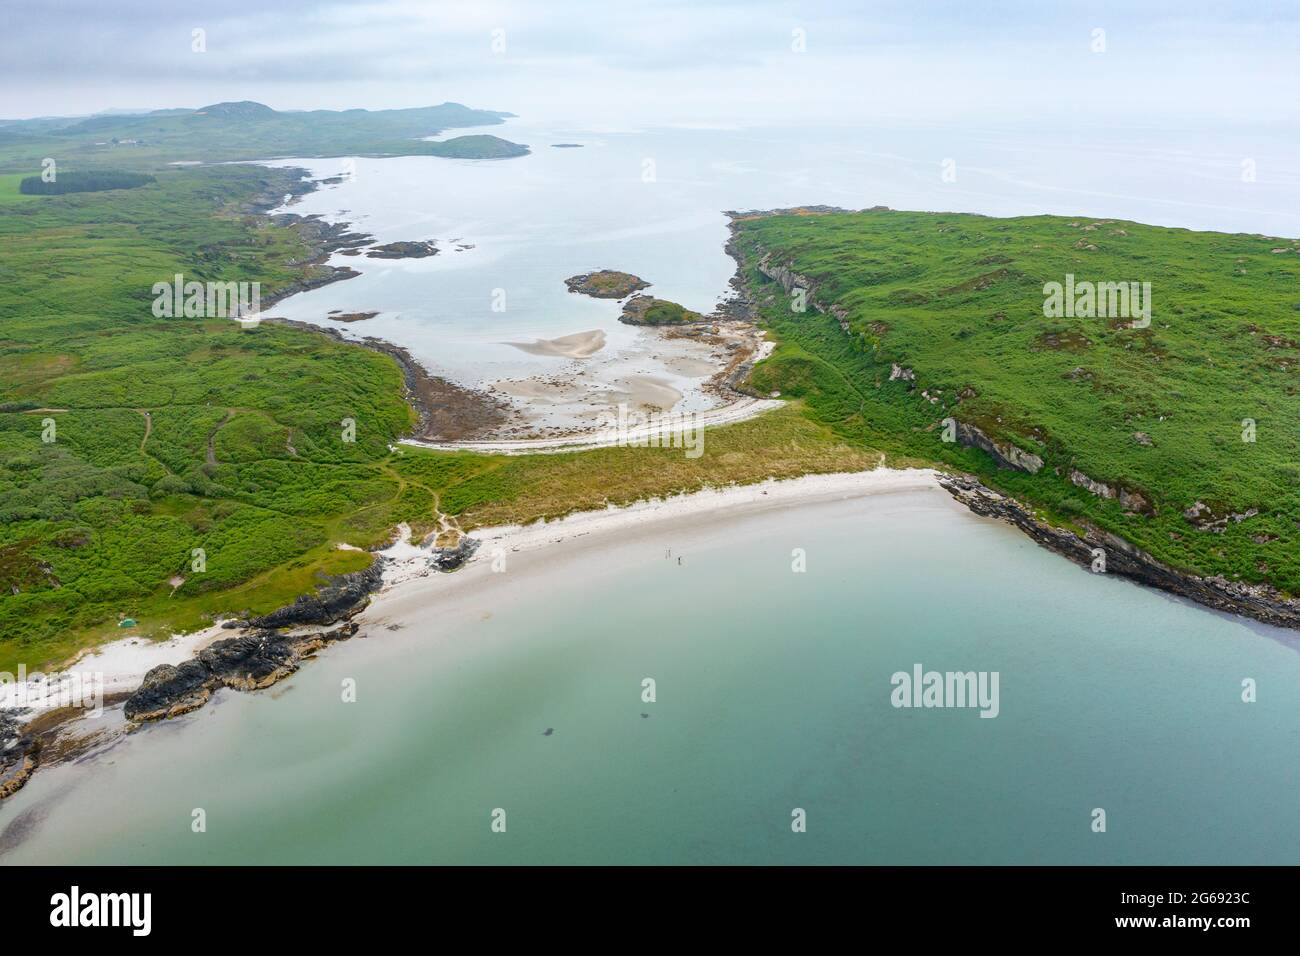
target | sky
x=634, y=62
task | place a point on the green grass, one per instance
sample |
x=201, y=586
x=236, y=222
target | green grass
x=95, y=523
x=663, y=312
x=959, y=300
x=10, y=191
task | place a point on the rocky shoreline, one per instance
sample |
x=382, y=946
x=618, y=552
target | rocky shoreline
x=446, y=412
x=1094, y=546
x=253, y=661
x=271, y=648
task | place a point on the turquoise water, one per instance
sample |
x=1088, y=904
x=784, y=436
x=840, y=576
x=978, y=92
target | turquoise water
x=773, y=692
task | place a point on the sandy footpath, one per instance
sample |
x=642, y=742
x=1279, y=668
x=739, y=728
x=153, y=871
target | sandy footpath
x=411, y=588
x=667, y=426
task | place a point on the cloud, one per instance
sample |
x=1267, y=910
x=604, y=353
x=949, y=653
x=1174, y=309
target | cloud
x=668, y=61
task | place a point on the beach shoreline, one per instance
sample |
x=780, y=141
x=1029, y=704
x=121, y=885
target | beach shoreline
x=412, y=587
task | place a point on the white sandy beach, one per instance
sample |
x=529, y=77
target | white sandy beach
x=412, y=588
x=409, y=584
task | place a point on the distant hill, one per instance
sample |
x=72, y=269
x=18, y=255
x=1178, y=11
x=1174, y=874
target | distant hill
x=244, y=109
x=247, y=130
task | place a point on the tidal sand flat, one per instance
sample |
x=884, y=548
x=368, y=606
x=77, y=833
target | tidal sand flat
x=576, y=346
x=757, y=709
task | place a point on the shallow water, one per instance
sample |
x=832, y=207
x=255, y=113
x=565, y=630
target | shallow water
x=651, y=201
x=772, y=693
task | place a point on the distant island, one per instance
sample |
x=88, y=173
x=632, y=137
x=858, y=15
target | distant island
x=566, y=146
x=246, y=130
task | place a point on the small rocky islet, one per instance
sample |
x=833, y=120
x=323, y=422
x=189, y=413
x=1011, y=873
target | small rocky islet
x=638, y=309
x=420, y=249
x=647, y=310
x=606, y=284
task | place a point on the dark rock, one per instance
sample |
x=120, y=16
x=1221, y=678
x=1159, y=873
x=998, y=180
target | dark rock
x=250, y=661
x=169, y=690
x=450, y=559
x=343, y=597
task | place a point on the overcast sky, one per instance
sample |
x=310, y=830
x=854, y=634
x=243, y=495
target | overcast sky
x=636, y=62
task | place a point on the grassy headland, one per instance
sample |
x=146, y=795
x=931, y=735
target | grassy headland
x=1142, y=431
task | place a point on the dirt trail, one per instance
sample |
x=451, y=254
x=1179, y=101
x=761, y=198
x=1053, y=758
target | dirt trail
x=148, y=426
x=212, y=438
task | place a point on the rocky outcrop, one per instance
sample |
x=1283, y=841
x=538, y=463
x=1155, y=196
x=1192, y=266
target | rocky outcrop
x=171, y=689
x=1129, y=499
x=1099, y=489
x=250, y=661
x=344, y=596
x=16, y=772
x=785, y=277
x=1205, y=517
x=1005, y=454
x=1258, y=601
x=450, y=559
x=19, y=753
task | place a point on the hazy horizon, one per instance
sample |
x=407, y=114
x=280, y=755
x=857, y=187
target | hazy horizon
x=1186, y=65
